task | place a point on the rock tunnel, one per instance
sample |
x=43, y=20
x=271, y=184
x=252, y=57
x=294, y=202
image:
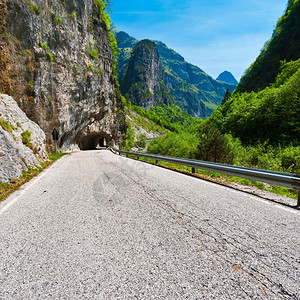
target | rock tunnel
x=93, y=141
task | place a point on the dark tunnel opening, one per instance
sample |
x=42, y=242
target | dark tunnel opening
x=93, y=141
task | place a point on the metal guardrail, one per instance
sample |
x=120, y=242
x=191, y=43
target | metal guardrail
x=277, y=178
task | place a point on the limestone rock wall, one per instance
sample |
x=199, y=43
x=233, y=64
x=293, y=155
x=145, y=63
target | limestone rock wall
x=56, y=62
x=22, y=142
x=143, y=81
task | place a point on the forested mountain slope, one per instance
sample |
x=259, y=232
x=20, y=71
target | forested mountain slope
x=192, y=89
x=283, y=46
x=271, y=115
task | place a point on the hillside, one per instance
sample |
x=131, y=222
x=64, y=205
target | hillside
x=192, y=89
x=284, y=45
x=270, y=115
x=265, y=108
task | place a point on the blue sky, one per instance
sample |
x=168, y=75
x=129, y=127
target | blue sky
x=214, y=35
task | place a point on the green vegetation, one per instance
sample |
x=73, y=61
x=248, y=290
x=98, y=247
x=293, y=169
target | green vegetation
x=175, y=144
x=34, y=8
x=173, y=118
x=8, y=188
x=259, y=130
x=26, y=139
x=128, y=142
x=50, y=56
x=141, y=141
x=284, y=45
x=74, y=15
x=271, y=115
x=209, y=144
x=6, y=125
x=56, y=19
x=103, y=6
x=185, y=85
x=93, y=50
x=144, y=122
x=44, y=46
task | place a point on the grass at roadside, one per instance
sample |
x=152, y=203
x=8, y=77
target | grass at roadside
x=7, y=188
x=224, y=179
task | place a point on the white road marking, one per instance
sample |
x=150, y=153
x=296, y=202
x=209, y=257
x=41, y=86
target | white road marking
x=291, y=210
x=11, y=201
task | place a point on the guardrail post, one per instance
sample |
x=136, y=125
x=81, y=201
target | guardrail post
x=138, y=157
x=298, y=204
x=193, y=170
x=156, y=162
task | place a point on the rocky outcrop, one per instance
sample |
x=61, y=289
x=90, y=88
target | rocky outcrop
x=143, y=81
x=22, y=142
x=56, y=62
x=143, y=126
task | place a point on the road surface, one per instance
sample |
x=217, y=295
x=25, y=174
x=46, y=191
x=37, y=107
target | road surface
x=99, y=226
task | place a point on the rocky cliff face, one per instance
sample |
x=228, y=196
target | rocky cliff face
x=56, y=62
x=22, y=142
x=143, y=80
x=191, y=88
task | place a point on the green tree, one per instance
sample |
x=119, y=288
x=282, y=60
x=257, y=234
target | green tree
x=226, y=96
x=213, y=146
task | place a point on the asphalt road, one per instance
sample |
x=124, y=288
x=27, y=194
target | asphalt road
x=100, y=226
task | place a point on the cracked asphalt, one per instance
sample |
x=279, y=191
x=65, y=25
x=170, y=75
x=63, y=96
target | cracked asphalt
x=100, y=226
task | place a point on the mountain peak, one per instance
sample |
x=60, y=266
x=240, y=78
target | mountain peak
x=143, y=79
x=125, y=40
x=227, y=77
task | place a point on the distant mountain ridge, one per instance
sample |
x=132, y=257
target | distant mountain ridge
x=227, y=77
x=187, y=85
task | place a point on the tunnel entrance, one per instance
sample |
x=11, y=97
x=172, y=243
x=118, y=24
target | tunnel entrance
x=94, y=141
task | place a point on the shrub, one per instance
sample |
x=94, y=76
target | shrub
x=175, y=144
x=34, y=8
x=50, y=56
x=93, y=52
x=141, y=141
x=213, y=146
x=128, y=142
x=6, y=125
x=26, y=138
x=74, y=15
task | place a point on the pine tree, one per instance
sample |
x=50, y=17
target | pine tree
x=226, y=96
